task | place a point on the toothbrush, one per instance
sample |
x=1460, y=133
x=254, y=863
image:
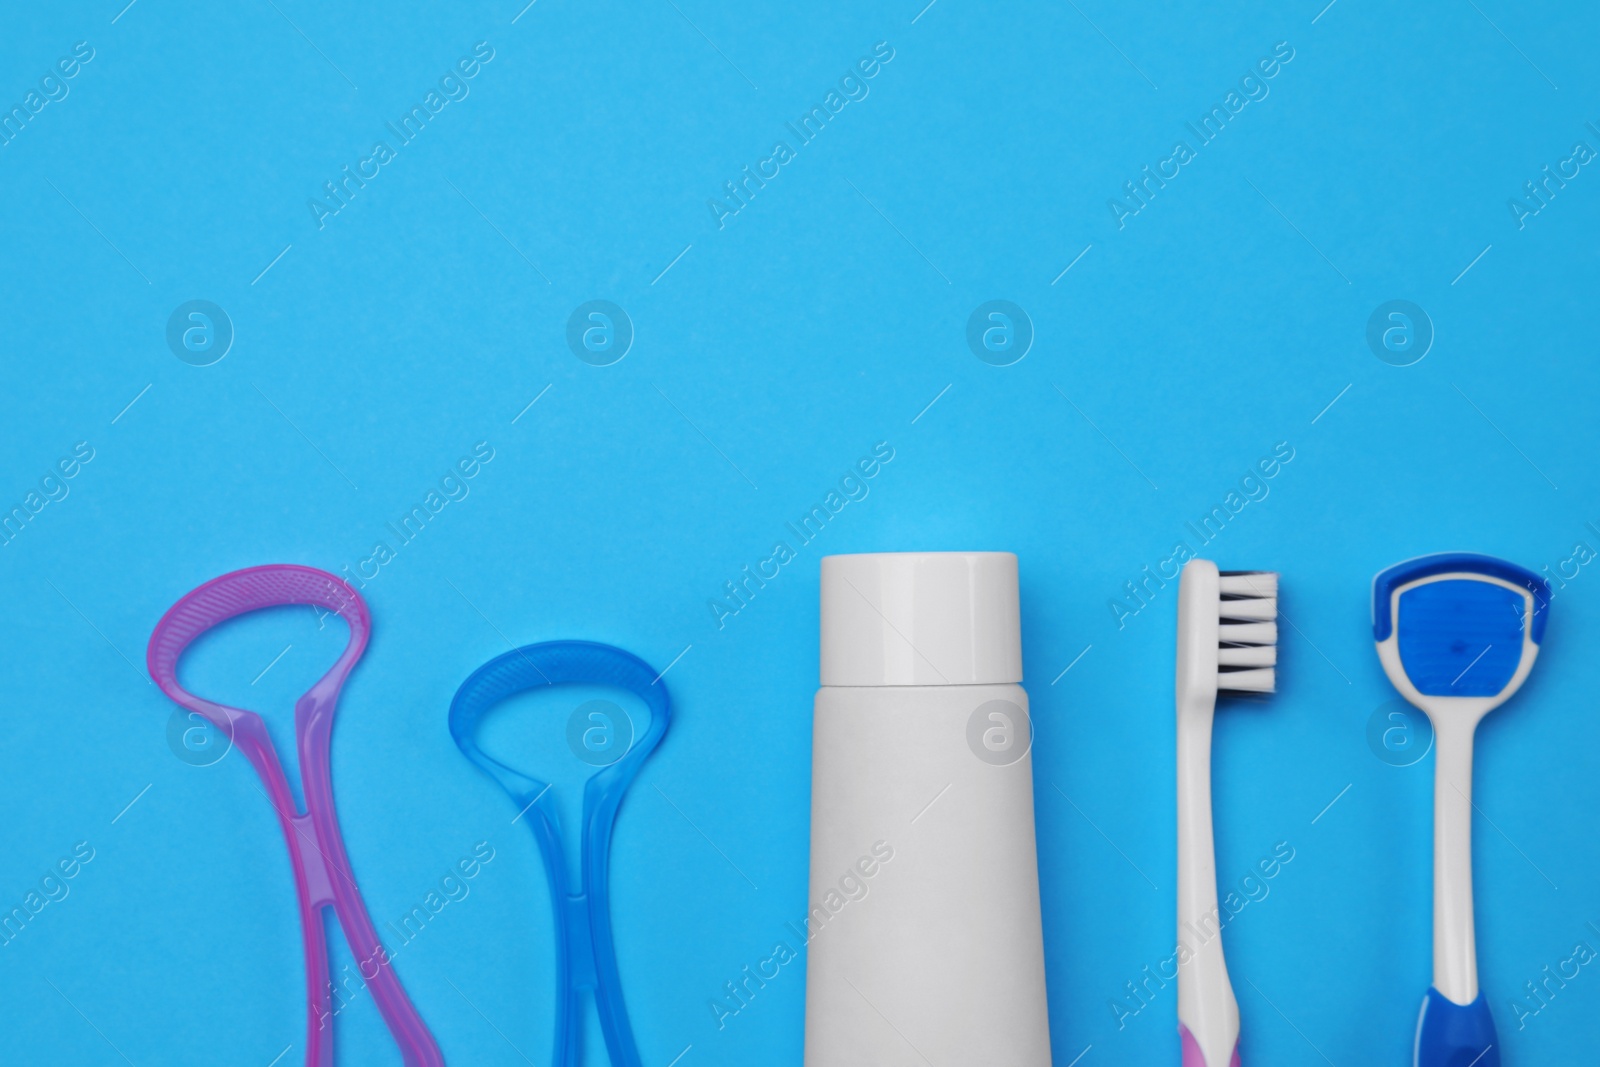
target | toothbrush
x=1457, y=634
x=1227, y=637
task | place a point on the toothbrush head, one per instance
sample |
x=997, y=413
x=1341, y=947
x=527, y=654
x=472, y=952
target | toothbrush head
x=1457, y=631
x=1227, y=631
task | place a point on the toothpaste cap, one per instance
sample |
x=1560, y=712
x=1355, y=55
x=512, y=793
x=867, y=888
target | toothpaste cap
x=921, y=618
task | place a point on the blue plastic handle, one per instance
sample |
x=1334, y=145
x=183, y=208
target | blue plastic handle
x=586, y=956
x=1456, y=1035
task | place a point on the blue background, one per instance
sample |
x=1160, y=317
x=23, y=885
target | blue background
x=770, y=354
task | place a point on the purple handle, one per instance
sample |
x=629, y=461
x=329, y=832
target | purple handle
x=1193, y=1057
x=322, y=872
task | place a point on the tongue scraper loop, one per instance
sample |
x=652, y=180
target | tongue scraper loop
x=586, y=957
x=322, y=871
x=1457, y=634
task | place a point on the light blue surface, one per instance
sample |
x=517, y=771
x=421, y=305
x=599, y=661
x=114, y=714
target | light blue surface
x=769, y=356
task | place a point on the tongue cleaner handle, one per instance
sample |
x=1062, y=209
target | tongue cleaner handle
x=586, y=957
x=322, y=871
x=1455, y=1028
x=1455, y=952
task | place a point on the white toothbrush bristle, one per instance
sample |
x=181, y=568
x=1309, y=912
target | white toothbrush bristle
x=1248, y=583
x=1247, y=656
x=1260, y=680
x=1248, y=608
x=1248, y=633
x=1247, y=636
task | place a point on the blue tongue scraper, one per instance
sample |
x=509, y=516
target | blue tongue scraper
x=586, y=956
x=1457, y=634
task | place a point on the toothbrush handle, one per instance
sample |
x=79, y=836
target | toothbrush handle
x=1193, y=1057
x=1208, y=1013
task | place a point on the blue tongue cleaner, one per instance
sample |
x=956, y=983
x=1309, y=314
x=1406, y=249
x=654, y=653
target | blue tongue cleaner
x=1457, y=634
x=1464, y=624
x=586, y=959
